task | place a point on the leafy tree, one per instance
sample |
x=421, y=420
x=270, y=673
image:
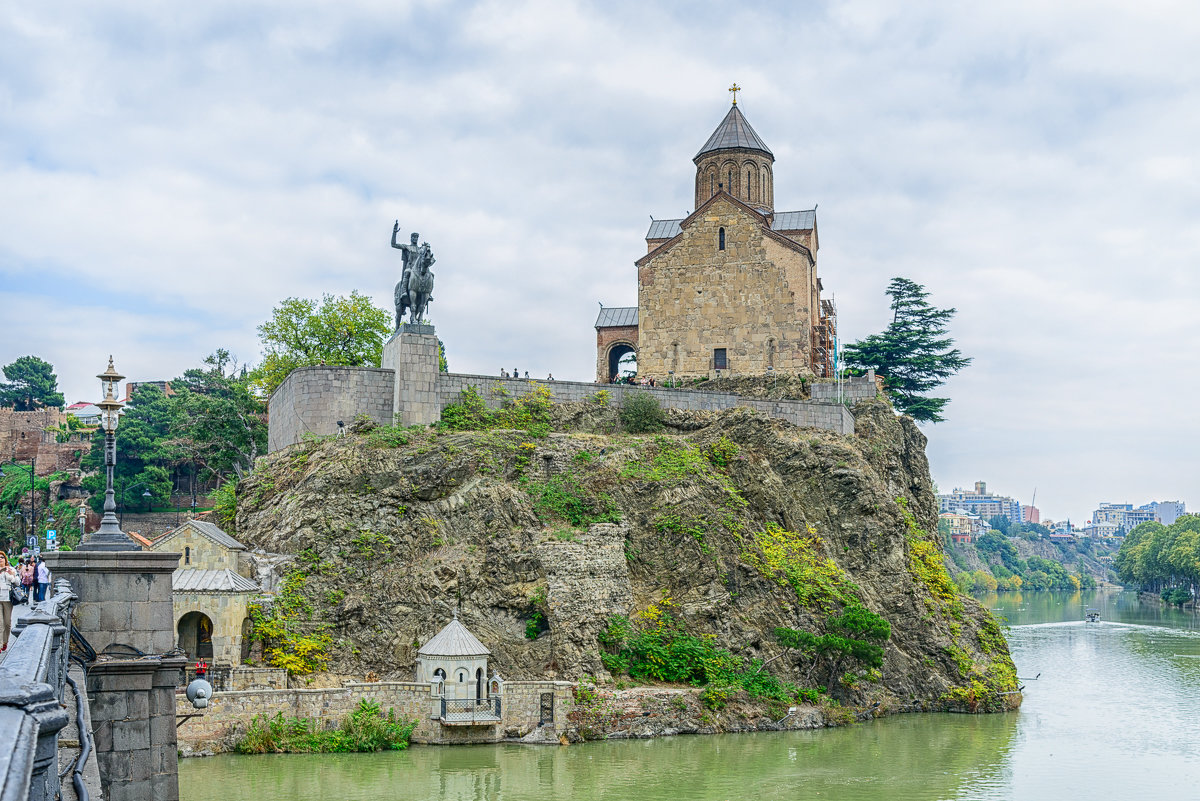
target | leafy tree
x=219, y=423
x=144, y=452
x=443, y=366
x=31, y=385
x=346, y=331
x=913, y=355
x=1000, y=523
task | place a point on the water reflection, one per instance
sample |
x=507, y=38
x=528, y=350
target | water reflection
x=1114, y=713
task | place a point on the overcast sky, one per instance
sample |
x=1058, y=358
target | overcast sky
x=169, y=172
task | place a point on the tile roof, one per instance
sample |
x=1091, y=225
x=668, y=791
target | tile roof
x=454, y=640
x=612, y=316
x=206, y=528
x=734, y=132
x=188, y=580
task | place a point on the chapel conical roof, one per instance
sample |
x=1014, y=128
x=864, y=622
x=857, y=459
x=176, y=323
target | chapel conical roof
x=734, y=132
x=454, y=640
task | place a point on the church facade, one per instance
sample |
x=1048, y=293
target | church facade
x=731, y=289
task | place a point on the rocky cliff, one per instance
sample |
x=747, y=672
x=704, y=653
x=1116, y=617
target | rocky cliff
x=730, y=524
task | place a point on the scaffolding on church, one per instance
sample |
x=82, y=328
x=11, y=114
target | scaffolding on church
x=824, y=337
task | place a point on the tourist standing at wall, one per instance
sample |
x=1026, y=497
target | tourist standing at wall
x=43, y=580
x=8, y=580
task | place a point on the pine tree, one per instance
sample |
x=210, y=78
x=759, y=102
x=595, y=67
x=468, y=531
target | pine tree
x=913, y=355
x=33, y=385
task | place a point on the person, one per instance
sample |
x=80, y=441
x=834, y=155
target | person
x=503, y=373
x=43, y=580
x=8, y=580
x=516, y=373
x=27, y=577
x=550, y=376
x=526, y=375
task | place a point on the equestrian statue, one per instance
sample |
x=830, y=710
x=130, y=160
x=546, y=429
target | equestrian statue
x=415, y=290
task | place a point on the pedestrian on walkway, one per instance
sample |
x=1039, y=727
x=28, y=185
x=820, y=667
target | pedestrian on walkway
x=28, y=577
x=43, y=580
x=8, y=580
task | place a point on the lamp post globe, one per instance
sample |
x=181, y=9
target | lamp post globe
x=109, y=536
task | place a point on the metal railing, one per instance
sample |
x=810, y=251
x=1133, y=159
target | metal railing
x=32, y=714
x=470, y=710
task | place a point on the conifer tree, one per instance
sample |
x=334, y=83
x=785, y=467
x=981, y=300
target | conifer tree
x=913, y=355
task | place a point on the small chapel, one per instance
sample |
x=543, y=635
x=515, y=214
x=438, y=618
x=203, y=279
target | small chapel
x=732, y=288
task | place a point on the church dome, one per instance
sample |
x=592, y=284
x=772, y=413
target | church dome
x=734, y=133
x=454, y=640
x=736, y=160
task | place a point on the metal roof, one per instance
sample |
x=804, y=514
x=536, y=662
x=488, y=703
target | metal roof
x=734, y=132
x=454, y=640
x=663, y=229
x=794, y=220
x=188, y=580
x=613, y=316
x=209, y=530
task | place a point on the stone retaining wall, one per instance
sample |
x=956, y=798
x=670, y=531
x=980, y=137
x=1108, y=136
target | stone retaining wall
x=313, y=399
x=229, y=713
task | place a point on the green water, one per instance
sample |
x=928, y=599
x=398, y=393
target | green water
x=1115, y=713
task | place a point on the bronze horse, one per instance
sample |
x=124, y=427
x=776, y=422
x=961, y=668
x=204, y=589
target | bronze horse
x=415, y=289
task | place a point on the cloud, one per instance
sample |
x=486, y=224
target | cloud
x=168, y=175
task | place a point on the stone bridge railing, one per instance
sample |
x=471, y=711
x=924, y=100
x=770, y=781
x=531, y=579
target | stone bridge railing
x=32, y=677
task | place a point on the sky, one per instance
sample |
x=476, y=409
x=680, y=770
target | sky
x=171, y=172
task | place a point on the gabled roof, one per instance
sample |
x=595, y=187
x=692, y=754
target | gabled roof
x=721, y=193
x=734, y=132
x=209, y=530
x=188, y=580
x=782, y=221
x=454, y=640
x=614, y=316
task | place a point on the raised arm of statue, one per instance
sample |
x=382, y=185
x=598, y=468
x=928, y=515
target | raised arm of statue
x=396, y=230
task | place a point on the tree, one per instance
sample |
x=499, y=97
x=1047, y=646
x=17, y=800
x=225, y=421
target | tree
x=32, y=385
x=347, y=331
x=913, y=355
x=144, y=450
x=219, y=422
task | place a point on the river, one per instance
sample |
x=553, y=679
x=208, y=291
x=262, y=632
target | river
x=1114, y=712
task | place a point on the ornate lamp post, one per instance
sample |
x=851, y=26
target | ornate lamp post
x=109, y=536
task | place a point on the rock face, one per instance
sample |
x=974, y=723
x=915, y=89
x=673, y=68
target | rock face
x=552, y=536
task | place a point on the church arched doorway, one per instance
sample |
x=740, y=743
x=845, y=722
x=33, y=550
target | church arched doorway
x=622, y=361
x=195, y=635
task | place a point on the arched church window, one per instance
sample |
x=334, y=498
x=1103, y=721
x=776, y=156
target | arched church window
x=720, y=239
x=747, y=185
x=187, y=556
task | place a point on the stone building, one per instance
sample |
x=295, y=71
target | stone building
x=211, y=592
x=733, y=286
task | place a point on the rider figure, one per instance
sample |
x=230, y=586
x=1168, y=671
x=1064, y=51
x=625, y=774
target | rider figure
x=412, y=254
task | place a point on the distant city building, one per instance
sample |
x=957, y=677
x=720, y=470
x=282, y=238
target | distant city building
x=980, y=502
x=960, y=526
x=1165, y=512
x=1030, y=514
x=1122, y=517
x=131, y=387
x=86, y=413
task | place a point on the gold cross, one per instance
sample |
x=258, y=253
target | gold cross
x=735, y=89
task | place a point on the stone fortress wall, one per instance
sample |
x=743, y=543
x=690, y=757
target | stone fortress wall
x=23, y=437
x=312, y=399
x=229, y=714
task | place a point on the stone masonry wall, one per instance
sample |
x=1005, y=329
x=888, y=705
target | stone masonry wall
x=753, y=299
x=853, y=389
x=229, y=713
x=23, y=436
x=811, y=414
x=824, y=414
x=313, y=399
x=607, y=337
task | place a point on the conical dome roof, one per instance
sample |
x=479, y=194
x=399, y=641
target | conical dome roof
x=454, y=640
x=734, y=132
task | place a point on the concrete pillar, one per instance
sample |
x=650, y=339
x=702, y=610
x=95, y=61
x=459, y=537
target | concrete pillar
x=412, y=353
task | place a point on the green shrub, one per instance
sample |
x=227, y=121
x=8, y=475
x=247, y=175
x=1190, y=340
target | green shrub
x=563, y=496
x=640, y=413
x=224, y=500
x=367, y=729
x=722, y=452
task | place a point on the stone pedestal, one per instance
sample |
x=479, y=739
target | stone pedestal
x=133, y=715
x=124, y=596
x=412, y=353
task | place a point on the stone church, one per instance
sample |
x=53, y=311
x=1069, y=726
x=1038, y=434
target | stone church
x=731, y=289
